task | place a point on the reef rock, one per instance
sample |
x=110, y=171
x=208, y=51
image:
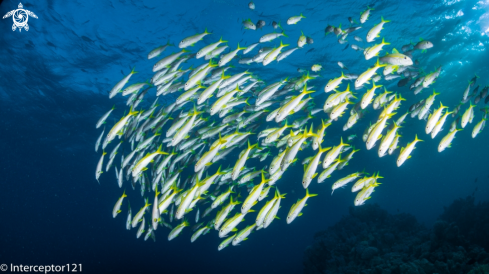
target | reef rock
x=370, y=240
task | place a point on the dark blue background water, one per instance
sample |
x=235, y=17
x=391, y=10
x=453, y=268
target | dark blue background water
x=53, y=88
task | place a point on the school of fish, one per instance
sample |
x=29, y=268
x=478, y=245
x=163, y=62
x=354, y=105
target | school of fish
x=203, y=114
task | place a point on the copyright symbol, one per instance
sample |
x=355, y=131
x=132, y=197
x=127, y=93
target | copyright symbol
x=3, y=267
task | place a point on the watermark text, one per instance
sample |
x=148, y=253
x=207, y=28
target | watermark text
x=41, y=268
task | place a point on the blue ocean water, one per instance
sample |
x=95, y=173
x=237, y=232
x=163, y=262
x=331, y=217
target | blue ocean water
x=54, y=86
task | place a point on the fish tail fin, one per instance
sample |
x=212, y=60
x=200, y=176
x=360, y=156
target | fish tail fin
x=224, y=76
x=379, y=65
x=280, y=26
x=131, y=112
x=286, y=125
x=383, y=20
x=249, y=145
x=156, y=191
x=416, y=139
x=240, y=48
x=321, y=150
x=308, y=91
x=384, y=42
x=185, y=222
x=343, y=144
x=308, y=194
x=221, y=141
x=246, y=101
x=160, y=151
x=263, y=180
x=211, y=64
x=322, y=122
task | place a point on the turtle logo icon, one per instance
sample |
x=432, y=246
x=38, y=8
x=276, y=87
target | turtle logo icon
x=20, y=17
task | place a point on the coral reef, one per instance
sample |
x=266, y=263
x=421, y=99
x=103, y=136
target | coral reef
x=480, y=269
x=472, y=220
x=370, y=240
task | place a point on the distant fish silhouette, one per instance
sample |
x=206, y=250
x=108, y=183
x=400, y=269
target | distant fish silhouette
x=403, y=82
x=87, y=39
x=346, y=47
x=475, y=190
x=313, y=49
x=476, y=180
